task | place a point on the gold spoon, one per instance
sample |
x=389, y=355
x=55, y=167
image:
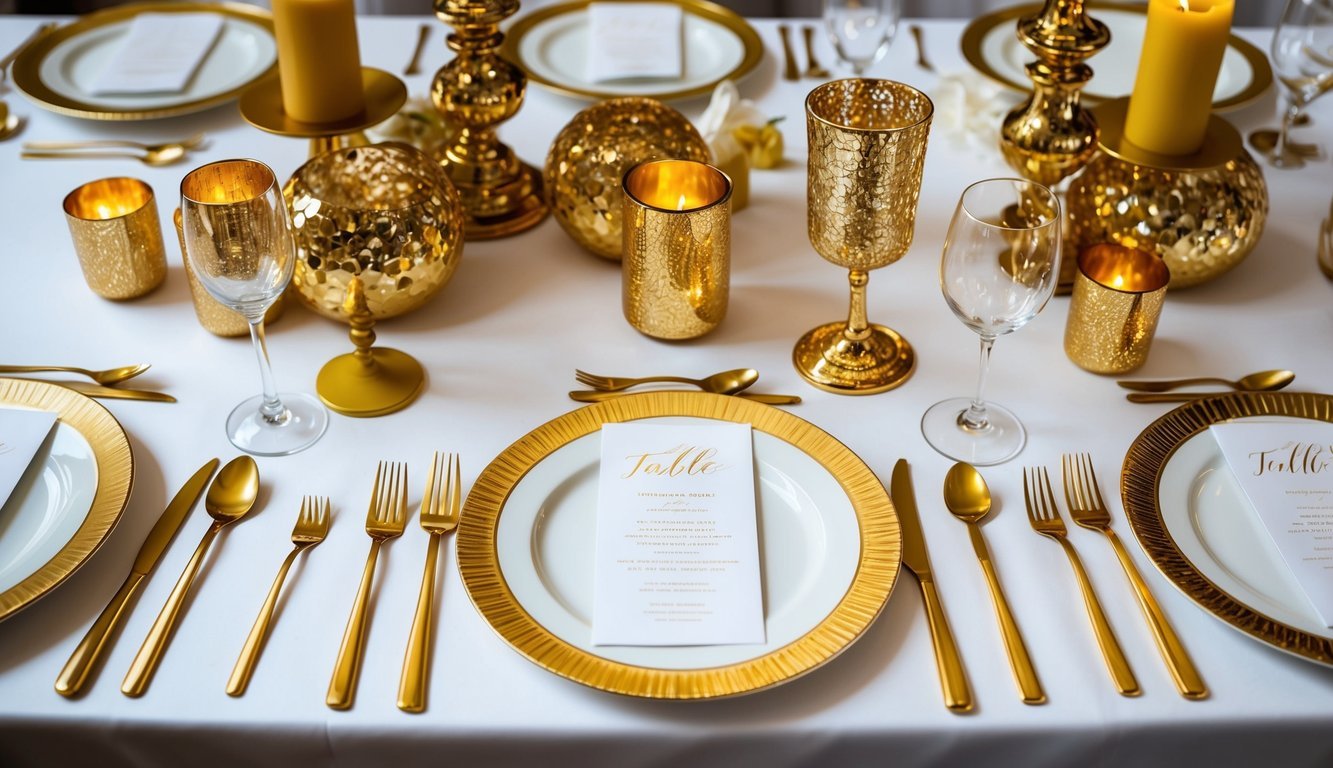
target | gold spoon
x=106, y=378
x=815, y=71
x=229, y=498
x=153, y=157
x=1262, y=381
x=722, y=383
x=191, y=143
x=968, y=498
x=10, y=124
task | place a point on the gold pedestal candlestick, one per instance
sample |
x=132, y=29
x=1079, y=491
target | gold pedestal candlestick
x=477, y=91
x=1051, y=136
x=261, y=106
x=370, y=381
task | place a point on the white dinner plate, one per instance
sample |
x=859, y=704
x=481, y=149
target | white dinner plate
x=1196, y=522
x=991, y=45
x=551, y=45
x=829, y=544
x=70, y=498
x=58, y=70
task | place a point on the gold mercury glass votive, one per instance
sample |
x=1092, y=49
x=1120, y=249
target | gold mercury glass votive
x=1118, y=295
x=213, y=316
x=117, y=237
x=676, y=263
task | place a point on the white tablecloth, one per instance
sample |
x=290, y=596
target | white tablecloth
x=500, y=344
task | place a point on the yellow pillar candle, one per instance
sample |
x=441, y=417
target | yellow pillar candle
x=1173, y=92
x=318, y=59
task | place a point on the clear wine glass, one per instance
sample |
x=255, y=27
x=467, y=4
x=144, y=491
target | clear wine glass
x=861, y=30
x=1000, y=266
x=1303, y=61
x=238, y=239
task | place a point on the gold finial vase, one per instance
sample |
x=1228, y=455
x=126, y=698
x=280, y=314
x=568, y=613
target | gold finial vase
x=476, y=92
x=370, y=381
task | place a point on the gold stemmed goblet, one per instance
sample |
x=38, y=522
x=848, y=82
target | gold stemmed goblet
x=867, y=148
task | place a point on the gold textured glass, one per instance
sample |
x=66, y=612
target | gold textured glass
x=1118, y=295
x=867, y=143
x=238, y=239
x=1000, y=266
x=117, y=237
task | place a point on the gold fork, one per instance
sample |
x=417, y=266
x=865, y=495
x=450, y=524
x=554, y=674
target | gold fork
x=385, y=520
x=1087, y=509
x=439, y=515
x=1045, y=519
x=312, y=525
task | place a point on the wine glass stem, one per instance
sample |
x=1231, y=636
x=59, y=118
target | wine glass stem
x=858, y=325
x=271, y=407
x=1288, y=118
x=975, y=415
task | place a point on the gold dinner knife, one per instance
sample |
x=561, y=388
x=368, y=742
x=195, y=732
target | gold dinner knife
x=597, y=396
x=953, y=677
x=85, y=657
x=113, y=393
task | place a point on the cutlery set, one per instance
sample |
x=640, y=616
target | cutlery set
x=1163, y=391
x=732, y=382
x=967, y=497
x=164, y=153
x=790, y=69
x=230, y=497
x=104, y=383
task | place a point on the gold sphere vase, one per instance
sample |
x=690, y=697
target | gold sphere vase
x=867, y=143
x=378, y=230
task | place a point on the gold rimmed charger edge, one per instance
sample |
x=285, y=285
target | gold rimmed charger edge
x=27, y=68
x=876, y=570
x=115, y=476
x=732, y=21
x=1140, y=479
x=1261, y=74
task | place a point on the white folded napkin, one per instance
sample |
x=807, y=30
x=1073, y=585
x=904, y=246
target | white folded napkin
x=159, y=54
x=634, y=40
x=22, y=433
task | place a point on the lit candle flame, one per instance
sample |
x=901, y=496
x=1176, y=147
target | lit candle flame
x=1184, y=6
x=681, y=203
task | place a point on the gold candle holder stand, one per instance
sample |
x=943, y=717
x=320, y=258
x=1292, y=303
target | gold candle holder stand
x=261, y=106
x=476, y=92
x=371, y=381
x=1202, y=213
x=1051, y=135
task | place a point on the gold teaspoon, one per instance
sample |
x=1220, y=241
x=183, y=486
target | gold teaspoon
x=229, y=498
x=1262, y=381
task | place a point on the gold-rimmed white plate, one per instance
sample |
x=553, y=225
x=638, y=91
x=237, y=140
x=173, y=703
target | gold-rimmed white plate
x=1196, y=523
x=58, y=69
x=828, y=533
x=551, y=45
x=991, y=46
x=69, y=500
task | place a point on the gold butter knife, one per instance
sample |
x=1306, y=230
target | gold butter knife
x=117, y=393
x=1178, y=397
x=949, y=663
x=597, y=396
x=86, y=655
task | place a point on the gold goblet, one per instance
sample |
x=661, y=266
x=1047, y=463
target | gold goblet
x=867, y=148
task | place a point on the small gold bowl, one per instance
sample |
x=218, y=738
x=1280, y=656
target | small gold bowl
x=591, y=154
x=385, y=213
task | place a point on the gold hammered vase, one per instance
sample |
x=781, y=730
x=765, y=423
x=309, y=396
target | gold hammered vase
x=385, y=214
x=591, y=154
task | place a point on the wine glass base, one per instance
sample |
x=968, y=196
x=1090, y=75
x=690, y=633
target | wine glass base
x=1000, y=441
x=305, y=424
x=353, y=388
x=829, y=361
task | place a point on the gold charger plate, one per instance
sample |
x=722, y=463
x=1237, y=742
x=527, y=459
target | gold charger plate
x=532, y=503
x=550, y=43
x=1193, y=520
x=110, y=449
x=1120, y=59
x=48, y=70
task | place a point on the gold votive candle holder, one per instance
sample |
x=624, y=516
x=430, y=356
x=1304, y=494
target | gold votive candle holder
x=676, y=258
x=213, y=316
x=1118, y=295
x=117, y=237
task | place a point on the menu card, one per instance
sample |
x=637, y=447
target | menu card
x=1286, y=470
x=22, y=433
x=677, y=558
x=633, y=40
x=159, y=54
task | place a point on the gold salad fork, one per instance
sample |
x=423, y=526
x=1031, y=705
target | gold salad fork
x=312, y=525
x=1045, y=519
x=1086, y=507
x=385, y=520
x=440, y=508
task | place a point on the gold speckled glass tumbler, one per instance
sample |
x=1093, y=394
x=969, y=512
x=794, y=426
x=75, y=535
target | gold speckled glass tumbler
x=117, y=237
x=676, y=261
x=1118, y=295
